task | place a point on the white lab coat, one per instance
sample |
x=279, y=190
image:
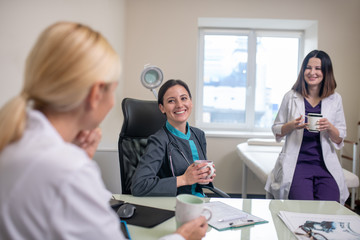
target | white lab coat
x=279, y=180
x=50, y=189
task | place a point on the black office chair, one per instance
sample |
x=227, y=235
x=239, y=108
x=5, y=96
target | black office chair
x=141, y=119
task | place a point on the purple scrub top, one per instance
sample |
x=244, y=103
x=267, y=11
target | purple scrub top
x=310, y=150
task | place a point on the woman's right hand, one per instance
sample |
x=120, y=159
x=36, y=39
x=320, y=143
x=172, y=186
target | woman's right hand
x=297, y=123
x=194, y=229
x=88, y=140
x=194, y=174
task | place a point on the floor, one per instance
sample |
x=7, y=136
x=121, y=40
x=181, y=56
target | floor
x=357, y=206
x=357, y=209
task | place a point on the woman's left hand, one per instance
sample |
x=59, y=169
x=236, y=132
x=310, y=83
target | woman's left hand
x=324, y=124
x=88, y=140
x=194, y=174
x=214, y=175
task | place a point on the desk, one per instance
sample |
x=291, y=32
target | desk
x=261, y=159
x=264, y=208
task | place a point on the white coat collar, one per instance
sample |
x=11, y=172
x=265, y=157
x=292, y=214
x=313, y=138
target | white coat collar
x=37, y=121
x=299, y=103
x=326, y=106
x=325, y=103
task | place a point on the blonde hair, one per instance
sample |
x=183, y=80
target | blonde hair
x=67, y=59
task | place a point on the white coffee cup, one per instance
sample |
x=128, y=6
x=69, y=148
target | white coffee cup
x=209, y=164
x=313, y=119
x=189, y=207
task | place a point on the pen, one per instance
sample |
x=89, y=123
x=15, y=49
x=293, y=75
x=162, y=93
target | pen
x=232, y=218
x=242, y=224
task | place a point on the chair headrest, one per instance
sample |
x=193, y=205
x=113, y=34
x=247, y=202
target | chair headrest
x=142, y=118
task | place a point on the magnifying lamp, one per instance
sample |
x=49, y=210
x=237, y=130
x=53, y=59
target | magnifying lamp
x=151, y=78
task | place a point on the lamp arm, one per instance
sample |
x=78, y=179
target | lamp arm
x=155, y=93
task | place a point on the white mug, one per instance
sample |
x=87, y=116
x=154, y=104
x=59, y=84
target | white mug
x=313, y=119
x=189, y=207
x=209, y=164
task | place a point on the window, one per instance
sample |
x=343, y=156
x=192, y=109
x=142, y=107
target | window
x=244, y=75
x=244, y=72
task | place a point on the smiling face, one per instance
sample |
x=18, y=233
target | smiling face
x=313, y=74
x=177, y=106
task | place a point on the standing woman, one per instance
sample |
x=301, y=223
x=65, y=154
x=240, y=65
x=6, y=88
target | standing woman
x=49, y=186
x=167, y=168
x=308, y=167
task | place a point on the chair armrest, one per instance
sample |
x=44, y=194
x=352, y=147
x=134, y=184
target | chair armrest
x=217, y=191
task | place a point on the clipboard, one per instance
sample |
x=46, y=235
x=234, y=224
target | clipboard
x=226, y=217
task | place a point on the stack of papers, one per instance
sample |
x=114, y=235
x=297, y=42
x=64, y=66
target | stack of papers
x=322, y=226
x=226, y=217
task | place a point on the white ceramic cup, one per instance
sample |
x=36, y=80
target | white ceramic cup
x=313, y=119
x=189, y=207
x=209, y=164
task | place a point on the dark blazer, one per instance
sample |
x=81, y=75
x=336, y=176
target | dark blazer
x=154, y=175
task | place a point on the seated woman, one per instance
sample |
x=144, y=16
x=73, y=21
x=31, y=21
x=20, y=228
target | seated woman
x=167, y=167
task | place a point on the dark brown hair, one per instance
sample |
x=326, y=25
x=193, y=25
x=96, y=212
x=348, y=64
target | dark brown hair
x=168, y=84
x=328, y=83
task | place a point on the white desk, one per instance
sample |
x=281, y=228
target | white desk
x=261, y=159
x=264, y=208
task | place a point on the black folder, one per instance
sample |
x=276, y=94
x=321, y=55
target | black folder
x=145, y=216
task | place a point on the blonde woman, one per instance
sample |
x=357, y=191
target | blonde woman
x=49, y=187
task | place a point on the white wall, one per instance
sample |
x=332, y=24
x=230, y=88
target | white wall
x=108, y=161
x=21, y=22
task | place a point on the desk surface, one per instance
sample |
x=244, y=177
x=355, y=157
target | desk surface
x=264, y=208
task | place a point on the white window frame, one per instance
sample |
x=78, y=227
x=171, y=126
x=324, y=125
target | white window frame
x=306, y=30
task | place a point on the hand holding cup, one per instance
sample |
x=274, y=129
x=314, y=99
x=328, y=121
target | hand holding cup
x=313, y=119
x=209, y=165
x=189, y=207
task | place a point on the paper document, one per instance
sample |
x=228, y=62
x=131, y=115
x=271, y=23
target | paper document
x=225, y=216
x=322, y=226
